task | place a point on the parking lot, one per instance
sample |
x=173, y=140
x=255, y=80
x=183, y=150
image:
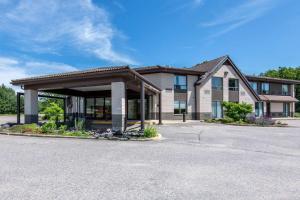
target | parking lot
x=193, y=161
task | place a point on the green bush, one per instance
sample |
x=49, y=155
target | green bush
x=54, y=112
x=62, y=129
x=79, y=125
x=49, y=127
x=237, y=111
x=227, y=120
x=26, y=128
x=150, y=132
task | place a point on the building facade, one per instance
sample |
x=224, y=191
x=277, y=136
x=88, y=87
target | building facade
x=121, y=94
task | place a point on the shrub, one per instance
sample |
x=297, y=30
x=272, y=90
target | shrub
x=48, y=127
x=227, y=120
x=26, y=128
x=237, y=111
x=54, y=112
x=62, y=129
x=79, y=125
x=150, y=132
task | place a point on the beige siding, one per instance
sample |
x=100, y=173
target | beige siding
x=205, y=97
x=164, y=81
x=276, y=107
x=245, y=94
x=191, y=93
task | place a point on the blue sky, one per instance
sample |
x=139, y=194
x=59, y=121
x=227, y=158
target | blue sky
x=49, y=36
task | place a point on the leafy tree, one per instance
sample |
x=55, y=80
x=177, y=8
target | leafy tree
x=237, y=111
x=45, y=102
x=287, y=73
x=53, y=112
x=8, y=100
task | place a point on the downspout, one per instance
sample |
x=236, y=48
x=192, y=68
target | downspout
x=196, y=99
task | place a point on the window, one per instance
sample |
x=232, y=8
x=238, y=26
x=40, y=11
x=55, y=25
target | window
x=265, y=88
x=217, y=83
x=98, y=108
x=254, y=86
x=285, y=90
x=233, y=84
x=259, y=109
x=179, y=107
x=180, y=82
x=286, y=109
x=217, y=111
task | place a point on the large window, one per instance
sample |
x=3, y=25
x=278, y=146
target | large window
x=180, y=82
x=265, y=88
x=259, y=109
x=286, y=109
x=179, y=107
x=254, y=86
x=285, y=90
x=217, y=111
x=217, y=83
x=98, y=108
x=233, y=84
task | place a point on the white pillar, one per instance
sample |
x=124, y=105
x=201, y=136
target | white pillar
x=31, y=106
x=118, y=105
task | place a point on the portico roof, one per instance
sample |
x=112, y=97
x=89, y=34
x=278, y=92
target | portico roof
x=90, y=77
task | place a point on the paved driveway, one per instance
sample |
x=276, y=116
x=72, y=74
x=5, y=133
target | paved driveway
x=194, y=161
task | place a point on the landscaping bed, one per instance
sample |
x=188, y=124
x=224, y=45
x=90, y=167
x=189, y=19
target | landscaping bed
x=51, y=129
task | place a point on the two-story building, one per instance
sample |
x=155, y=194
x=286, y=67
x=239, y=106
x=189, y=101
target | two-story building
x=119, y=94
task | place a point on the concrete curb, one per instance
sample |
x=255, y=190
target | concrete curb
x=78, y=137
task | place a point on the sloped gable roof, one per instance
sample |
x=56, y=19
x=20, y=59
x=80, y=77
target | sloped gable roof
x=214, y=65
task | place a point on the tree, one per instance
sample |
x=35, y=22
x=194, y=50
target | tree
x=44, y=102
x=287, y=73
x=8, y=101
x=237, y=111
x=54, y=112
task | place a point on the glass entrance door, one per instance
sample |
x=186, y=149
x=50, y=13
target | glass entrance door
x=98, y=108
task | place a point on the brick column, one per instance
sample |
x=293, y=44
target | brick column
x=118, y=106
x=31, y=106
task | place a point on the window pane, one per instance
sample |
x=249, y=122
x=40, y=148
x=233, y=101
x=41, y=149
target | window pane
x=182, y=107
x=254, y=86
x=180, y=82
x=99, y=108
x=107, y=108
x=285, y=90
x=265, y=87
x=90, y=107
x=176, y=107
x=233, y=84
x=217, y=83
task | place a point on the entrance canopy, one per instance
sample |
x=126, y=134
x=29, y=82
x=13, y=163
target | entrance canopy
x=113, y=82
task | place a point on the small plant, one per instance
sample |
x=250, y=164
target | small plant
x=62, y=129
x=150, y=132
x=48, y=127
x=227, y=120
x=26, y=128
x=79, y=125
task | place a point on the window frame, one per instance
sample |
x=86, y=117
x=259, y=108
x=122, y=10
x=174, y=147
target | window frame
x=180, y=109
x=176, y=83
x=287, y=90
x=252, y=83
x=221, y=109
x=218, y=88
x=263, y=89
x=237, y=88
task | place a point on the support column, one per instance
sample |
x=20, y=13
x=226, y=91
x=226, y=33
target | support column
x=142, y=105
x=118, y=106
x=31, y=106
x=159, y=109
x=18, y=108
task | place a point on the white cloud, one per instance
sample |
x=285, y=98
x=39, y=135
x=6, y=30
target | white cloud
x=47, y=25
x=179, y=5
x=12, y=68
x=240, y=15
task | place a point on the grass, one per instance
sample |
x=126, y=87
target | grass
x=150, y=132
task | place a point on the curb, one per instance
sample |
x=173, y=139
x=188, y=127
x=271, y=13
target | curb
x=78, y=137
